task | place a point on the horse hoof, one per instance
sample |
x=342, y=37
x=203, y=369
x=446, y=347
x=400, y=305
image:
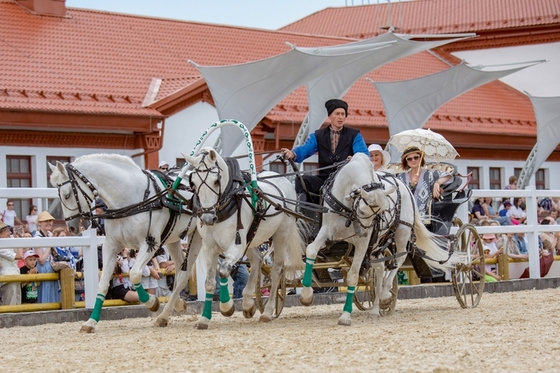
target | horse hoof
x=265, y=318
x=201, y=326
x=87, y=329
x=229, y=312
x=306, y=302
x=180, y=306
x=250, y=312
x=155, y=307
x=344, y=322
x=162, y=323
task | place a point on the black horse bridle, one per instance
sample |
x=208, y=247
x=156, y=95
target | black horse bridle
x=207, y=170
x=73, y=175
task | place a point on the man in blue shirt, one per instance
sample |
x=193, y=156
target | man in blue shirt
x=333, y=144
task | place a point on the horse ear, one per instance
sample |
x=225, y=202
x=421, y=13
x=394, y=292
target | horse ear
x=52, y=167
x=60, y=167
x=212, y=155
x=190, y=160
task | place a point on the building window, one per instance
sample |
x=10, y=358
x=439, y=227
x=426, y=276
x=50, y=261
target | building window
x=180, y=162
x=540, y=179
x=53, y=204
x=18, y=169
x=278, y=167
x=475, y=180
x=495, y=178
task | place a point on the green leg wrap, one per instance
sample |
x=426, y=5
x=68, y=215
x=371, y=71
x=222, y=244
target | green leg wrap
x=308, y=272
x=349, y=299
x=207, y=312
x=96, y=313
x=224, y=291
x=142, y=295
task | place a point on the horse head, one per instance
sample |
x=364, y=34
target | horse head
x=72, y=202
x=208, y=172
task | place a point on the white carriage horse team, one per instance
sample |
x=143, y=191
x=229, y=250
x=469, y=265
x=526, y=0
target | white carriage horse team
x=143, y=213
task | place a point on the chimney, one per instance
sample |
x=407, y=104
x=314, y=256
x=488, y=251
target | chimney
x=55, y=8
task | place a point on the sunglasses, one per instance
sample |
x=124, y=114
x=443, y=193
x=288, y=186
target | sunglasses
x=413, y=158
x=163, y=168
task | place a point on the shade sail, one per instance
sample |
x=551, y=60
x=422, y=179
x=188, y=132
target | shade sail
x=409, y=104
x=336, y=83
x=547, y=113
x=247, y=92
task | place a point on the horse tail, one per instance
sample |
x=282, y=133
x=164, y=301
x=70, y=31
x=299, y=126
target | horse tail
x=435, y=247
x=296, y=244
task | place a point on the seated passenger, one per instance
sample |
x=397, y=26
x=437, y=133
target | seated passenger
x=379, y=157
x=424, y=184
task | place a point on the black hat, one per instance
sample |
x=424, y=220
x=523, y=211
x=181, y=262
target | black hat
x=334, y=104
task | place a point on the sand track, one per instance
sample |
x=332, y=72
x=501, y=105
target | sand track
x=508, y=332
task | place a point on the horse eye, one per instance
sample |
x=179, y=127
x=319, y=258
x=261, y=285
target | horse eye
x=217, y=182
x=66, y=196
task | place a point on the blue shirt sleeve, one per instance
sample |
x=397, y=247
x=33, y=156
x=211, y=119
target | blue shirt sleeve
x=359, y=145
x=307, y=149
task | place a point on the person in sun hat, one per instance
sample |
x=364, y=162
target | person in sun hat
x=379, y=157
x=163, y=166
x=47, y=291
x=11, y=293
x=333, y=144
x=29, y=290
x=424, y=184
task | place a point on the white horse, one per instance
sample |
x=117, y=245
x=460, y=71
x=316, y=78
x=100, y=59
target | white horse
x=364, y=202
x=217, y=192
x=136, y=219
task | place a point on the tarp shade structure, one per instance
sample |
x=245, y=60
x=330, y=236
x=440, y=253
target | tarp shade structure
x=547, y=113
x=336, y=83
x=409, y=104
x=247, y=92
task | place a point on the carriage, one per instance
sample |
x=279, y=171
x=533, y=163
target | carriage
x=334, y=260
x=330, y=270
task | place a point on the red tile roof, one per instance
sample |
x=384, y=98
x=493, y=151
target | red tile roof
x=430, y=17
x=96, y=62
x=101, y=62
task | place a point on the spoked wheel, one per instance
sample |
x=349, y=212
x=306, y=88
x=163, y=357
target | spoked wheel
x=364, y=297
x=264, y=285
x=468, y=277
x=387, y=306
x=365, y=294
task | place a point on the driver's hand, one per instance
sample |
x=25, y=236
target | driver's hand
x=287, y=153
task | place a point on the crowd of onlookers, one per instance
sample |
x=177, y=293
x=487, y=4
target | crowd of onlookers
x=512, y=211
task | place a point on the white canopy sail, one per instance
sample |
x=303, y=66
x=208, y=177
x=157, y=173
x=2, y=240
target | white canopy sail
x=336, y=83
x=247, y=92
x=409, y=104
x=547, y=113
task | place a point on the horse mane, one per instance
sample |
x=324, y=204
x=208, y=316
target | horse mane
x=103, y=157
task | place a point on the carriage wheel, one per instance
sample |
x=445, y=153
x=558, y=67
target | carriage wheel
x=365, y=294
x=363, y=299
x=264, y=284
x=468, y=277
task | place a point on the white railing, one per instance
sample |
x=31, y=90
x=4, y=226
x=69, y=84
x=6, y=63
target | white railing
x=88, y=240
x=531, y=228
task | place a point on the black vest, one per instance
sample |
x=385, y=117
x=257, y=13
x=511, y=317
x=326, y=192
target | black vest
x=343, y=150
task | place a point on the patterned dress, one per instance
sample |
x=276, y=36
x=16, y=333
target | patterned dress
x=423, y=190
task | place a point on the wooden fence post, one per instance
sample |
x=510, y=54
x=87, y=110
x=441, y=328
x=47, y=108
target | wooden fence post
x=192, y=282
x=503, y=266
x=67, y=290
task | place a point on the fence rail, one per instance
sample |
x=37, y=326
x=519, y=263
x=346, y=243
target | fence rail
x=89, y=240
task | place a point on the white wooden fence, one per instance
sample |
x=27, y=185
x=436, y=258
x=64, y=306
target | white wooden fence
x=89, y=240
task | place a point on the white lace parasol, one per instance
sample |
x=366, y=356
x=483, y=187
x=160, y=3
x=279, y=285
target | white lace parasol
x=434, y=145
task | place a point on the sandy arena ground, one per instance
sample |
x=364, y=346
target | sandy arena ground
x=508, y=332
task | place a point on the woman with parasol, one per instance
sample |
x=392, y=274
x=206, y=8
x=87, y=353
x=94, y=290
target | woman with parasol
x=424, y=184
